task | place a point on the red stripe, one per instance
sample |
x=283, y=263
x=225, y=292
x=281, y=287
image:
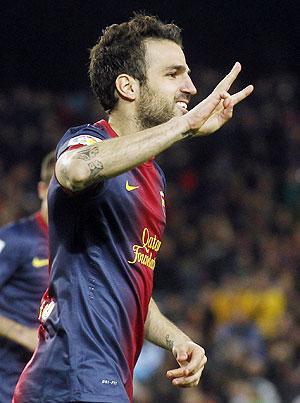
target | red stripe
x=104, y=124
x=75, y=146
x=41, y=223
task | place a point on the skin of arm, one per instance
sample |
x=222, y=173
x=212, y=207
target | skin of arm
x=20, y=334
x=189, y=355
x=80, y=168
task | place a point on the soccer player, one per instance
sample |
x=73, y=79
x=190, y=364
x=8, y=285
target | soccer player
x=23, y=280
x=107, y=217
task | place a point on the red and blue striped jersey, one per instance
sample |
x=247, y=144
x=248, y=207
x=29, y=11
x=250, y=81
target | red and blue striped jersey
x=23, y=280
x=103, y=248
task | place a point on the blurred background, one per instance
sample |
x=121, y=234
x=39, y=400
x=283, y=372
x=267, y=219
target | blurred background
x=229, y=268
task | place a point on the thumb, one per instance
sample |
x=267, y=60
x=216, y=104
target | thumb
x=180, y=355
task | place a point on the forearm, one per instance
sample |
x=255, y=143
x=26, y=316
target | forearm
x=20, y=334
x=160, y=330
x=78, y=169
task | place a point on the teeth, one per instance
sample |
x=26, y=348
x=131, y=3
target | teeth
x=182, y=104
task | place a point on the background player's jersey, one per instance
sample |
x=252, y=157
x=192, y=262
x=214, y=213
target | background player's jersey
x=103, y=247
x=23, y=280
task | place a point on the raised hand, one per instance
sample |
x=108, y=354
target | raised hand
x=215, y=110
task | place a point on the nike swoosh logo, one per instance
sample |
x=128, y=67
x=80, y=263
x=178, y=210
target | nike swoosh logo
x=130, y=187
x=37, y=262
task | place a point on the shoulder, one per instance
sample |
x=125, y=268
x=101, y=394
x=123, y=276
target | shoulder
x=17, y=234
x=81, y=135
x=15, y=227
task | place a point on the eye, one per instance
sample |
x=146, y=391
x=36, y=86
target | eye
x=173, y=74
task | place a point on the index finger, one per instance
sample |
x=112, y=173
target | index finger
x=189, y=369
x=227, y=81
x=176, y=373
x=198, y=360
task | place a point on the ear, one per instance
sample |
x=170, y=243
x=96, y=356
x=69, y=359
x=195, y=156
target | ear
x=127, y=87
x=42, y=190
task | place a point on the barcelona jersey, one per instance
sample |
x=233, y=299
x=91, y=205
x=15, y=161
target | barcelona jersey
x=104, y=243
x=23, y=280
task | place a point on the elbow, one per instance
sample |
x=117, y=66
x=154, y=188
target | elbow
x=78, y=177
x=72, y=174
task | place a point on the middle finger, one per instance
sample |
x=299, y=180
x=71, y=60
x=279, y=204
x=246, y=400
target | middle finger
x=239, y=96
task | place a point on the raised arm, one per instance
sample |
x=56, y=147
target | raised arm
x=80, y=168
x=189, y=355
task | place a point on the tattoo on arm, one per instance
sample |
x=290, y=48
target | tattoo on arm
x=169, y=342
x=90, y=155
x=87, y=153
x=95, y=167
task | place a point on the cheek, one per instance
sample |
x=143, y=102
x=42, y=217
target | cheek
x=166, y=89
x=170, y=91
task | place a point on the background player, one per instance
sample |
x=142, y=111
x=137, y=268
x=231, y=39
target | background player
x=23, y=280
x=106, y=220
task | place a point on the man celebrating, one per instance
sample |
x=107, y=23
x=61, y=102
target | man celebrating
x=23, y=280
x=107, y=217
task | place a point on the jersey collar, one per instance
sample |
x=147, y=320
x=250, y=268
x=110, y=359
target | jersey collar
x=110, y=131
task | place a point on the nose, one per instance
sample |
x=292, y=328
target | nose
x=188, y=86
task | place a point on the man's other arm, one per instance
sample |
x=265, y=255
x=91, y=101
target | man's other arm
x=20, y=334
x=189, y=355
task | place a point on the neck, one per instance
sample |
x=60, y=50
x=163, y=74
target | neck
x=123, y=122
x=44, y=211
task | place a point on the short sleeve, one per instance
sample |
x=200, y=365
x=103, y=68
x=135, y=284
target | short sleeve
x=78, y=137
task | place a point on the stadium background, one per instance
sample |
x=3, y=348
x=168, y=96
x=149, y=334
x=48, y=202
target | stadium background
x=228, y=272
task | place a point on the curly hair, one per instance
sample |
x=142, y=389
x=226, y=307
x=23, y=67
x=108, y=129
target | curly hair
x=121, y=49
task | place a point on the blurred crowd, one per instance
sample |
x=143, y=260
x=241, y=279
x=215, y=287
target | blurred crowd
x=229, y=268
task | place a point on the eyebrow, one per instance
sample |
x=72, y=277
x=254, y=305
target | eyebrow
x=178, y=67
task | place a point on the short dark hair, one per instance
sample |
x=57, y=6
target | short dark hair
x=121, y=49
x=47, y=167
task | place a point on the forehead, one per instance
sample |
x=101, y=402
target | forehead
x=163, y=54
